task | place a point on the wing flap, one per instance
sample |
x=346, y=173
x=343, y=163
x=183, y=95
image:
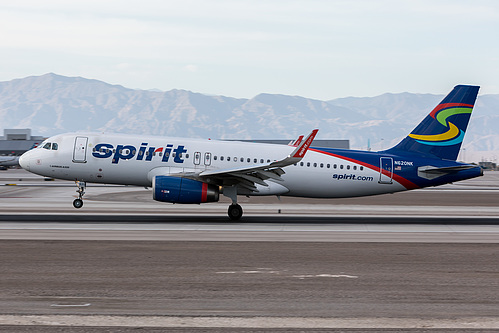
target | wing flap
x=251, y=178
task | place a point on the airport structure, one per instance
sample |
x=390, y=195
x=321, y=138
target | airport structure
x=339, y=144
x=15, y=142
x=488, y=165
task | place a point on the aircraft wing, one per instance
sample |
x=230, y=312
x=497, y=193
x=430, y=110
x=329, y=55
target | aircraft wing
x=248, y=176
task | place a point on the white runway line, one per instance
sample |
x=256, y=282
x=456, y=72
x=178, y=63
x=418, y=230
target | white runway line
x=70, y=305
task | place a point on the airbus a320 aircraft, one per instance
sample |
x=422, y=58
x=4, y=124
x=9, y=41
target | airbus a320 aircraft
x=8, y=161
x=192, y=171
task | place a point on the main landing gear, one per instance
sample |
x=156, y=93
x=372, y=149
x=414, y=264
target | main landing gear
x=235, y=212
x=78, y=203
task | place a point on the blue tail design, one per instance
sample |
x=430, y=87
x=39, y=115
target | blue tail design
x=441, y=133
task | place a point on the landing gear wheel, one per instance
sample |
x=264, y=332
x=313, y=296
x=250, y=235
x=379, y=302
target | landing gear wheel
x=235, y=212
x=78, y=203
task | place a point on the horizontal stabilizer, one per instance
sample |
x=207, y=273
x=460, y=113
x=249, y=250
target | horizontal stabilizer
x=431, y=172
x=433, y=169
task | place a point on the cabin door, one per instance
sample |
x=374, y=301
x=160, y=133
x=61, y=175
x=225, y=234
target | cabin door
x=80, y=149
x=385, y=170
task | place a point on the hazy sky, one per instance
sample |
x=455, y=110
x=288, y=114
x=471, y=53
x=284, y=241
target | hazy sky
x=316, y=49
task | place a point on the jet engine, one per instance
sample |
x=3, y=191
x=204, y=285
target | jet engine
x=183, y=190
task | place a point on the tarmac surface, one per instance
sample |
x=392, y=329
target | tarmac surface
x=420, y=261
x=251, y=284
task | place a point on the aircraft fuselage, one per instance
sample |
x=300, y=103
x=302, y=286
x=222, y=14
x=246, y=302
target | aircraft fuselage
x=322, y=173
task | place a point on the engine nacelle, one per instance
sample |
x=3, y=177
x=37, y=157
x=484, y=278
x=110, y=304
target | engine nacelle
x=183, y=190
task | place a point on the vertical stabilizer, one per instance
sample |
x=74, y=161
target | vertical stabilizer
x=441, y=133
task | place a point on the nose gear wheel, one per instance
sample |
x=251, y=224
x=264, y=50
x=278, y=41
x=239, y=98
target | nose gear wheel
x=78, y=203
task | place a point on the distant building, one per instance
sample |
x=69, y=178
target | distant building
x=488, y=165
x=341, y=144
x=14, y=142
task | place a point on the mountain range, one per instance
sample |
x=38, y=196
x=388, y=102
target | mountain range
x=51, y=104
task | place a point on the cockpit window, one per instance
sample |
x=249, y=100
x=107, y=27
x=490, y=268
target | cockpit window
x=49, y=146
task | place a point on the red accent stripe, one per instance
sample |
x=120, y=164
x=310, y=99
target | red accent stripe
x=204, y=192
x=401, y=180
x=447, y=105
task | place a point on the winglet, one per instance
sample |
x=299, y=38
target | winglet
x=296, y=142
x=300, y=151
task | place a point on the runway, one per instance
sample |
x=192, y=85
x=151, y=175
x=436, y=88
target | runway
x=264, y=228
x=24, y=193
x=420, y=261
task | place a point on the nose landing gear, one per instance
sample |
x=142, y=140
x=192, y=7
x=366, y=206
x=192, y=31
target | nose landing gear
x=78, y=203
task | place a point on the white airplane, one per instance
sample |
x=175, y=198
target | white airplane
x=7, y=161
x=193, y=171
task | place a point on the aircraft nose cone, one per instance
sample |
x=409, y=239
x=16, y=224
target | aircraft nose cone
x=24, y=161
